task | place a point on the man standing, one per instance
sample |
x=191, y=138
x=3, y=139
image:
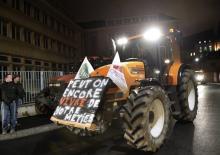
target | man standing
x=8, y=104
x=21, y=93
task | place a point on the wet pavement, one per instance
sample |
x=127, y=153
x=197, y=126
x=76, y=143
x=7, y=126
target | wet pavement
x=199, y=138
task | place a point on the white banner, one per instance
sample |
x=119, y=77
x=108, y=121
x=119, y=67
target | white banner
x=116, y=75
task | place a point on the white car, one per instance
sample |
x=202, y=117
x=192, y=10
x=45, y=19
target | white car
x=200, y=77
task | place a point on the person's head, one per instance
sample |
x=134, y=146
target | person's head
x=16, y=78
x=8, y=78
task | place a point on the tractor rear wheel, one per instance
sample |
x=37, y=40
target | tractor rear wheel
x=147, y=118
x=188, y=96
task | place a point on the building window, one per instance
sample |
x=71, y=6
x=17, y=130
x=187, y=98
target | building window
x=45, y=41
x=54, y=66
x=28, y=68
x=4, y=1
x=37, y=40
x=205, y=48
x=27, y=61
x=58, y=27
x=51, y=22
x=44, y=18
x=190, y=54
x=16, y=4
x=46, y=64
x=53, y=44
x=194, y=53
x=15, y=32
x=3, y=58
x=64, y=48
x=60, y=66
x=3, y=27
x=27, y=36
x=27, y=8
x=36, y=14
x=38, y=63
x=59, y=46
x=17, y=60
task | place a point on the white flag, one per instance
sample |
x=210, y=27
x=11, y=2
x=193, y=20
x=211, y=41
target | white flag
x=116, y=75
x=84, y=70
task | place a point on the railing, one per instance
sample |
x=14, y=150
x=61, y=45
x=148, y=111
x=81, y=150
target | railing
x=33, y=81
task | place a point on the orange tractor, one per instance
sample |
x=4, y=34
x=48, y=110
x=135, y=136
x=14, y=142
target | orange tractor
x=160, y=88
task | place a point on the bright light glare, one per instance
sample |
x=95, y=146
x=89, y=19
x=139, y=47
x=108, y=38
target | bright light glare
x=122, y=41
x=156, y=71
x=153, y=34
x=167, y=61
x=200, y=77
x=196, y=59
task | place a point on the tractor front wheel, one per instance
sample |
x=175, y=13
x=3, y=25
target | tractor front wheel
x=147, y=118
x=188, y=96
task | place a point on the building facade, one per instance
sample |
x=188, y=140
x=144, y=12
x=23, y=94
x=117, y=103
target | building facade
x=99, y=34
x=36, y=36
x=202, y=50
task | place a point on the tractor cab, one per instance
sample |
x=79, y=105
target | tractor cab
x=156, y=50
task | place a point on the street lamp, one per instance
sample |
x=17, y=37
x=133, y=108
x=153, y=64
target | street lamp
x=153, y=34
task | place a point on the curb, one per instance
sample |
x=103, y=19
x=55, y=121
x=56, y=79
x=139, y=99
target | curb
x=29, y=132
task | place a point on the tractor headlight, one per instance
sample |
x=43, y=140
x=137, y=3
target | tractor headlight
x=200, y=77
x=156, y=71
x=122, y=41
x=153, y=34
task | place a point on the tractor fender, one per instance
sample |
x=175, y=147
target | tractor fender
x=175, y=73
x=181, y=69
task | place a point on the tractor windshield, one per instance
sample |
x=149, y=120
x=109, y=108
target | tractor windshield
x=153, y=53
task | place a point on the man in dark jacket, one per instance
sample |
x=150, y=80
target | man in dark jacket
x=21, y=93
x=8, y=105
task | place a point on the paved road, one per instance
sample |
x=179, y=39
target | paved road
x=199, y=138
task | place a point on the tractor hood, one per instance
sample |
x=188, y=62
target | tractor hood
x=133, y=71
x=131, y=68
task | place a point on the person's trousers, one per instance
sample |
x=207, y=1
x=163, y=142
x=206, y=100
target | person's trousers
x=8, y=112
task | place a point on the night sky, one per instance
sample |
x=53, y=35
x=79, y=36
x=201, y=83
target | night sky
x=194, y=15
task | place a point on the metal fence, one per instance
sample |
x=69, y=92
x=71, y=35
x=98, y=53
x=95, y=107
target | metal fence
x=33, y=81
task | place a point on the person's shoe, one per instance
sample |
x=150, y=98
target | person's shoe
x=4, y=132
x=12, y=131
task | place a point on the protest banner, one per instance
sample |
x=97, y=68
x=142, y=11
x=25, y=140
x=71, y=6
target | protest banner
x=80, y=101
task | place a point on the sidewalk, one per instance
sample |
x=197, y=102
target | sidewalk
x=30, y=126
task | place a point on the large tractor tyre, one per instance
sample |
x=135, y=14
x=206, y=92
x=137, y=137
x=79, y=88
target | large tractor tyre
x=188, y=96
x=147, y=118
x=40, y=104
x=41, y=109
